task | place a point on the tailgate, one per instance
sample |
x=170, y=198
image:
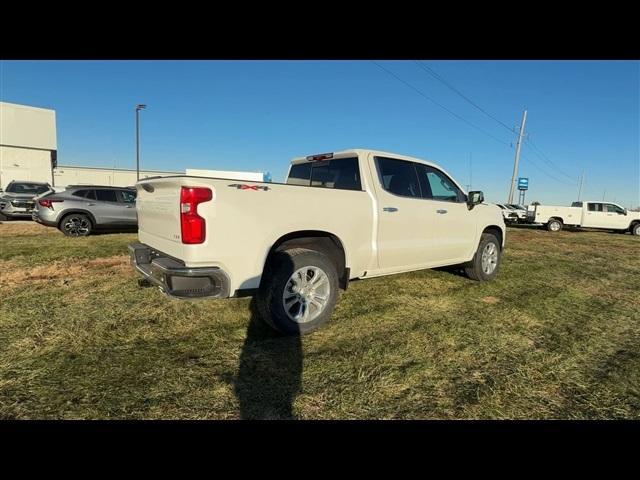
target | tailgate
x=158, y=208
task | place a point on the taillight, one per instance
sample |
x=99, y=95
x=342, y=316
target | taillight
x=192, y=225
x=48, y=202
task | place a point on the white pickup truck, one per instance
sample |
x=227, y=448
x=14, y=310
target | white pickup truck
x=592, y=214
x=354, y=214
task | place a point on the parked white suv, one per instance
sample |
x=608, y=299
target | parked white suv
x=354, y=214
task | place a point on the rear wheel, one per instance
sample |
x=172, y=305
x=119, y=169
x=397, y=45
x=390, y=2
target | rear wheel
x=76, y=225
x=554, y=225
x=299, y=291
x=486, y=261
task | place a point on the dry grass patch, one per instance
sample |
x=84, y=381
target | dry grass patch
x=14, y=275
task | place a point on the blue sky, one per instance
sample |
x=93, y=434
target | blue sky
x=257, y=115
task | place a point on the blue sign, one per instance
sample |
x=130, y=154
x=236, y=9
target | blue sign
x=523, y=183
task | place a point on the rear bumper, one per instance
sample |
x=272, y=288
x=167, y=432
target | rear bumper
x=174, y=278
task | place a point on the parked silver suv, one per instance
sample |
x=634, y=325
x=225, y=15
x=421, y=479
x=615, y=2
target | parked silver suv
x=17, y=201
x=82, y=209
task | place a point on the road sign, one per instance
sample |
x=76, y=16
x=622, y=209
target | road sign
x=523, y=183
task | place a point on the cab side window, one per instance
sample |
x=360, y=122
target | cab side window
x=398, y=177
x=613, y=209
x=127, y=196
x=436, y=185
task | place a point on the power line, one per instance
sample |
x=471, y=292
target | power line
x=530, y=144
x=530, y=160
x=542, y=156
x=422, y=94
x=438, y=77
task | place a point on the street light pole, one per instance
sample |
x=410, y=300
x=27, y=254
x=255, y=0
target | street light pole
x=138, y=108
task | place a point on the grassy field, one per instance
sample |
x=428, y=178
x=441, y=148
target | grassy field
x=557, y=335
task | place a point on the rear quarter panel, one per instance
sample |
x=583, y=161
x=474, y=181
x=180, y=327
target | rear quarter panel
x=243, y=224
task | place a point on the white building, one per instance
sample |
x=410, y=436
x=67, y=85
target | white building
x=28, y=148
x=64, y=175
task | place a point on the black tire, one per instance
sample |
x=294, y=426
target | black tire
x=276, y=278
x=4, y=218
x=474, y=268
x=83, y=223
x=635, y=229
x=554, y=225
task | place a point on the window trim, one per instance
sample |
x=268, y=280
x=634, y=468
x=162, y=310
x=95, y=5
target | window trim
x=377, y=158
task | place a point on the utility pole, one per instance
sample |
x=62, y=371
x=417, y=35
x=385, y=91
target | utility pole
x=581, y=181
x=138, y=108
x=470, y=170
x=603, y=194
x=517, y=158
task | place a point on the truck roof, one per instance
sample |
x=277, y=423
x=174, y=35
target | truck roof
x=359, y=151
x=363, y=151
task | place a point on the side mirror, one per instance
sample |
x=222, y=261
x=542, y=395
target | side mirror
x=474, y=198
x=625, y=211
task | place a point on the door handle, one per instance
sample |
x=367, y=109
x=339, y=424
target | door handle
x=441, y=211
x=390, y=209
x=90, y=204
x=129, y=206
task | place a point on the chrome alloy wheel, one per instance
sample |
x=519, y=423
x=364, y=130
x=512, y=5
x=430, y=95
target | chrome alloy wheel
x=489, y=258
x=76, y=226
x=555, y=226
x=306, y=294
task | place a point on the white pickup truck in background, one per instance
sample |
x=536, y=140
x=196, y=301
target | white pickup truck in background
x=591, y=214
x=354, y=214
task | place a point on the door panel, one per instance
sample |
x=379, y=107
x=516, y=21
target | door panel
x=106, y=207
x=595, y=216
x=455, y=223
x=615, y=216
x=129, y=214
x=407, y=223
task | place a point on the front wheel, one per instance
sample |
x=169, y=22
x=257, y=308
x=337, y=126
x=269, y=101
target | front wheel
x=76, y=225
x=299, y=291
x=636, y=229
x=486, y=261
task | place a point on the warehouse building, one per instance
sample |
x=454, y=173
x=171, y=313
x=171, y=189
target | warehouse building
x=28, y=151
x=28, y=148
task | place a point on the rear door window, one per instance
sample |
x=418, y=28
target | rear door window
x=80, y=193
x=106, y=195
x=398, y=177
x=595, y=207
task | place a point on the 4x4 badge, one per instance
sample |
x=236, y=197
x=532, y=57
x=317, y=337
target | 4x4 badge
x=242, y=186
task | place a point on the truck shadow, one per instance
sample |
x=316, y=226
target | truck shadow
x=270, y=372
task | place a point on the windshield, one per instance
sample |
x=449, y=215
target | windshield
x=30, y=188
